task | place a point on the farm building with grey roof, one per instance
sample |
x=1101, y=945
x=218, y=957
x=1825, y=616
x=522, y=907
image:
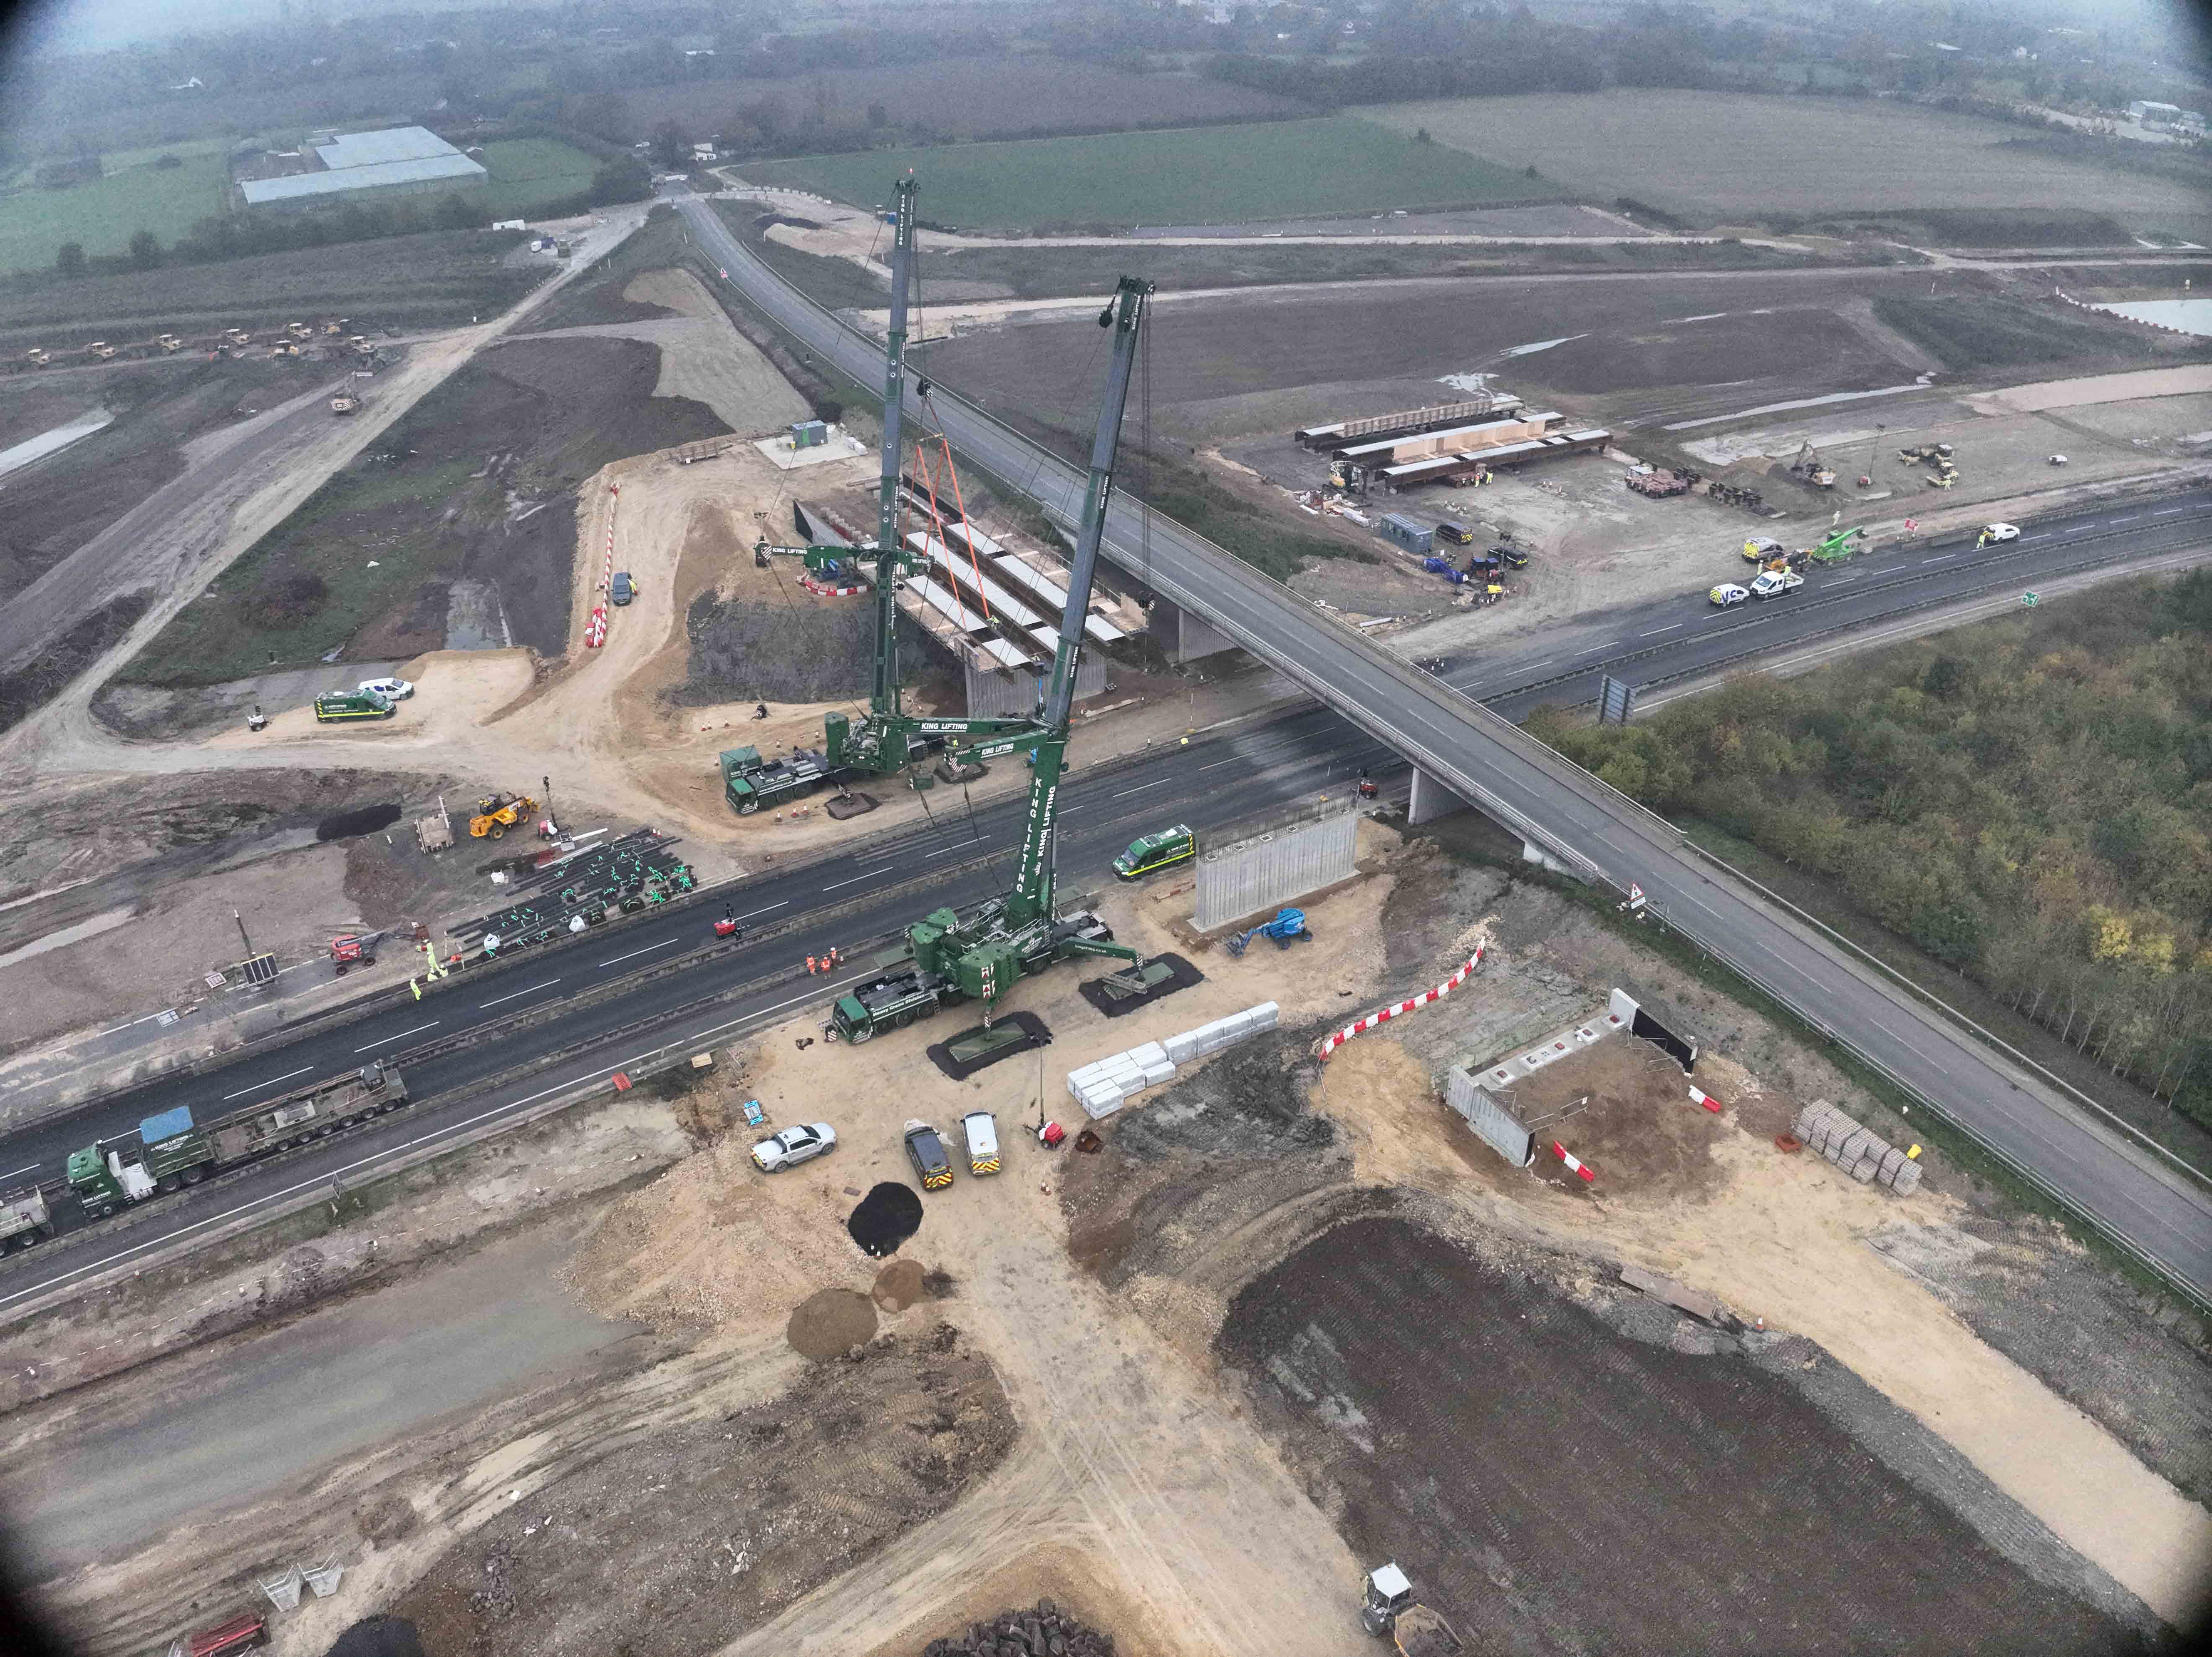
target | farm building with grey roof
x=399, y=160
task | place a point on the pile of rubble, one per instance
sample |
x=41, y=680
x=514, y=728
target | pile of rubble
x=1044, y=1632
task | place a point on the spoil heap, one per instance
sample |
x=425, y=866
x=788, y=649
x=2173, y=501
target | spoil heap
x=1044, y=1632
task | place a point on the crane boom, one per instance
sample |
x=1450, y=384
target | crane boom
x=1031, y=898
x=884, y=686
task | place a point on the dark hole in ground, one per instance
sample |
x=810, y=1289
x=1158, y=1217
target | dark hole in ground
x=365, y=820
x=379, y=1637
x=886, y=1218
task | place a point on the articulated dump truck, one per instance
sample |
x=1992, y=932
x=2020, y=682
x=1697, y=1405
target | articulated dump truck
x=170, y=1149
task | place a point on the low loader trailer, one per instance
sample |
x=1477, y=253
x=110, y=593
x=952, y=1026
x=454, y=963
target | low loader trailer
x=25, y=1218
x=170, y=1149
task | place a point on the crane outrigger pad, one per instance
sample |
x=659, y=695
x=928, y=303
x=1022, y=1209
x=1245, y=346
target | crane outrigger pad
x=979, y=1046
x=1140, y=985
x=851, y=803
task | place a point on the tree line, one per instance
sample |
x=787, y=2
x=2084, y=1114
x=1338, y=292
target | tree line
x=2028, y=802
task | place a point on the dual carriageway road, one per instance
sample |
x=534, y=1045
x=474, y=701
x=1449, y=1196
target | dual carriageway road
x=482, y=1029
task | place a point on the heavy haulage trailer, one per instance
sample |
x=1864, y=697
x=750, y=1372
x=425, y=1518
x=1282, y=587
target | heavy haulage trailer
x=981, y=952
x=170, y=1149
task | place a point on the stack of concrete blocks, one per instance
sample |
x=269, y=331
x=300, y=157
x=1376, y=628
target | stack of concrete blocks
x=1859, y=1152
x=1103, y=1087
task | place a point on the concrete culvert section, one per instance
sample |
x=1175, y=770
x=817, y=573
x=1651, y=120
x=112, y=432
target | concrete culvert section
x=831, y=1322
x=345, y=825
x=886, y=1218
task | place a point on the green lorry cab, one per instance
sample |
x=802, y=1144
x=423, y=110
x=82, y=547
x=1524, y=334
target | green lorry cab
x=1156, y=851
x=333, y=706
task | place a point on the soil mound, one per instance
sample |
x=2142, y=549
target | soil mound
x=898, y=1285
x=379, y=1637
x=831, y=1322
x=886, y=1218
x=345, y=825
x=1046, y=1631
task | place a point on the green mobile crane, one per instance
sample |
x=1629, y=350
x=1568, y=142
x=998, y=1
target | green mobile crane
x=887, y=738
x=979, y=953
x=1839, y=544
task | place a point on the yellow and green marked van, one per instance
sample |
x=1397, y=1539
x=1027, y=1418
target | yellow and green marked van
x=336, y=705
x=1156, y=851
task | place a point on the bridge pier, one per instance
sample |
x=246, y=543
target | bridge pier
x=1430, y=800
x=1184, y=637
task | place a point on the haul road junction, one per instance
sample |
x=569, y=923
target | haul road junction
x=465, y=1047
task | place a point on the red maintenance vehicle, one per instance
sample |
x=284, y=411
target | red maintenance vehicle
x=351, y=950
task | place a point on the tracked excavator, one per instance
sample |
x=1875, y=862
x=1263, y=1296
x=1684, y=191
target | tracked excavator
x=979, y=953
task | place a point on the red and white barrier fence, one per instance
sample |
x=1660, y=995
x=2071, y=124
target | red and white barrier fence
x=595, y=630
x=1574, y=1164
x=1331, y=1043
x=822, y=592
x=1707, y=1099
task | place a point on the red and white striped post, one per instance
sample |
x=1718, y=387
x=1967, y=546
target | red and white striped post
x=595, y=630
x=1573, y=1164
x=1700, y=1095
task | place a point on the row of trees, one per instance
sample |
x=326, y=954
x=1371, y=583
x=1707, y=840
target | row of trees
x=2028, y=802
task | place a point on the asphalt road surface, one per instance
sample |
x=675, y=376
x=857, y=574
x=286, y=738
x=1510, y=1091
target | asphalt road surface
x=2130, y=1192
x=1278, y=760
x=351, y=1377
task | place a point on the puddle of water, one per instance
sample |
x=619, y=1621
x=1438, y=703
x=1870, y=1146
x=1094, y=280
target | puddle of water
x=2190, y=316
x=52, y=440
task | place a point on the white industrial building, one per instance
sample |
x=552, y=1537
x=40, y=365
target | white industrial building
x=398, y=160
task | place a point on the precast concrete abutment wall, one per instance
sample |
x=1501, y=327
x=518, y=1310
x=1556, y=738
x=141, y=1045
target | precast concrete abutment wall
x=1273, y=865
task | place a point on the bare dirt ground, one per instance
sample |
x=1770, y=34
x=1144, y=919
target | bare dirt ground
x=702, y=357
x=1207, y=1427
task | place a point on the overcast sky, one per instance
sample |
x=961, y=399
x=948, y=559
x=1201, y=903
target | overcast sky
x=99, y=24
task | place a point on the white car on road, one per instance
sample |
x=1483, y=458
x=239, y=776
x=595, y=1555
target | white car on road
x=794, y=1145
x=1728, y=593
x=2001, y=533
x=392, y=690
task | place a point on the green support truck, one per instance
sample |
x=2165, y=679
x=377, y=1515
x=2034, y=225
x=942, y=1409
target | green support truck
x=336, y=707
x=750, y=782
x=170, y=1149
x=25, y=1218
x=1156, y=851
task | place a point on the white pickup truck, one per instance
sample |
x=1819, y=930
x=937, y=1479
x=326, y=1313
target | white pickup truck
x=1776, y=582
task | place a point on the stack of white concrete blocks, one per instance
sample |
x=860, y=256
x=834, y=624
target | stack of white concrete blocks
x=1103, y=1087
x=1859, y=1152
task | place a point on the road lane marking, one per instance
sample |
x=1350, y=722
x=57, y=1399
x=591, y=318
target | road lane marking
x=1139, y=789
x=271, y=1083
x=2130, y=519
x=771, y=909
x=1945, y=559
x=634, y=953
x=417, y=1030
x=518, y=994
x=1217, y=764
x=1656, y=631
x=2169, y=511
x=27, y=1168
x=857, y=879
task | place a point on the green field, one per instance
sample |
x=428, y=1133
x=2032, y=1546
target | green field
x=1718, y=159
x=528, y=172
x=104, y=216
x=1199, y=175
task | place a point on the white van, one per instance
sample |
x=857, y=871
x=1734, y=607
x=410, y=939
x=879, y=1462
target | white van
x=982, y=1129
